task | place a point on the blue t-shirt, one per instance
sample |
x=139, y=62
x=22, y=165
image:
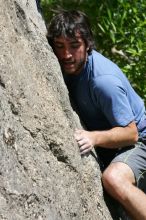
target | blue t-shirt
x=104, y=96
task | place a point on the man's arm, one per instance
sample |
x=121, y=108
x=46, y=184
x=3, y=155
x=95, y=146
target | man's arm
x=114, y=138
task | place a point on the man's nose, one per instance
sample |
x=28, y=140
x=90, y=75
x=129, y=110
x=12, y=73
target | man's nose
x=67, y=54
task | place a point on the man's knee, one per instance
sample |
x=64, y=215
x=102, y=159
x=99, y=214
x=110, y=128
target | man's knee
x=116, y=177
x=110, y=178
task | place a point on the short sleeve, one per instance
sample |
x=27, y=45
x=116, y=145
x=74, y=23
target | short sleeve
x=111, y=98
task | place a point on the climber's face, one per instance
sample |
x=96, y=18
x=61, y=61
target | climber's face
x=71, y=53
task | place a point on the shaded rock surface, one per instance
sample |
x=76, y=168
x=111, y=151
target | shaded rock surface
x=42, y=175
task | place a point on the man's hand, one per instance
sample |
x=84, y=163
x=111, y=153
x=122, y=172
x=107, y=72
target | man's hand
x=85, y=139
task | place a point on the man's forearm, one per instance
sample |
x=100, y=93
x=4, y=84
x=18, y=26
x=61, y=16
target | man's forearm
x=116, y=137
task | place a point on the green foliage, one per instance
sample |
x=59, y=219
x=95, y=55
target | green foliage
x=119, y=27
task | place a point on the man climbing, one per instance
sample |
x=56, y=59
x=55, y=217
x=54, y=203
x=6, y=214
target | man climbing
x=111, y=110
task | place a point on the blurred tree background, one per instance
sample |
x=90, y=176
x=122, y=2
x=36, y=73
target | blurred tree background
x=119, y=28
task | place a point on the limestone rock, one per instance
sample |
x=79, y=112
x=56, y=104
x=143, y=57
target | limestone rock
x=42, y=175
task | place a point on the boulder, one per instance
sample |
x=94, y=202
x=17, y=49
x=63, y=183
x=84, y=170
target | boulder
x=42, y=175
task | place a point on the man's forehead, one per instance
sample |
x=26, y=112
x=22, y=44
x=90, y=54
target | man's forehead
x=77, y=38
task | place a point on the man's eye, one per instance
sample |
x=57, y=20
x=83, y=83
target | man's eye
x=75, y=45
x=59, y=46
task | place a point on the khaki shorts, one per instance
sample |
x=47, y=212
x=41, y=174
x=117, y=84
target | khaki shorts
x=134, y=156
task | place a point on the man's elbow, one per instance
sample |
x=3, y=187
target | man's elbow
x=134, y=132
x=135, y=136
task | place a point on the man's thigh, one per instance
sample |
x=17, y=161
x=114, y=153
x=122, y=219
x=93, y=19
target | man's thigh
x=135, y=158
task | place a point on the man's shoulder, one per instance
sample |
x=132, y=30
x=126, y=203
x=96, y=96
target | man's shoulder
x=99, y=65
x=96, y=55
x=105, y=82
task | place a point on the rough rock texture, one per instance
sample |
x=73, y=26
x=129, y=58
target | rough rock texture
x=42, y=175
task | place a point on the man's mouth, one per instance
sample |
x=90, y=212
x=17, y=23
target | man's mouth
x=68, y=64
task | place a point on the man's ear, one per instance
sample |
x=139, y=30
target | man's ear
x=87, y=48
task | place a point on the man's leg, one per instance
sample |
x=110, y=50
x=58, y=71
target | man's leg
x=118, y=180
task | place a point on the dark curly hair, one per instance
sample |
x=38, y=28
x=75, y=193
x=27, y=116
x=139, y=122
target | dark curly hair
x=68, y=23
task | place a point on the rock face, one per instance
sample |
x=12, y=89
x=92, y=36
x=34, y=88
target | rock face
x=42, y=175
